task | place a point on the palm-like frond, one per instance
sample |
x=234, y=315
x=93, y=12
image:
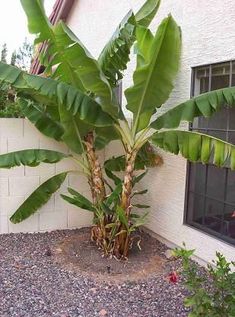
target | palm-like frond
x=31, y=157
x=154, y=76
x=115, y=55
x=65, y=52
x=147, y=12
x=53, y=93
x=38, y=198
x=196, y=147
x=41, y=118
x=203, y=105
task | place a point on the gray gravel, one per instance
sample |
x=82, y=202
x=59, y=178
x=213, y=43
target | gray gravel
x=33, y=285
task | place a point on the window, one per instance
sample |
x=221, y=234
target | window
x=210, y=192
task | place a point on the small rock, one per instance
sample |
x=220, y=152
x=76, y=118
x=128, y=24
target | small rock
x=103, y=312
x=48, y=252
x=168, y=254
x=59, y=250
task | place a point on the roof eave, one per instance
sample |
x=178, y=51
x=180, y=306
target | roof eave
x=61, y=10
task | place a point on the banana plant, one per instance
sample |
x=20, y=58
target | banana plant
x=75, y=102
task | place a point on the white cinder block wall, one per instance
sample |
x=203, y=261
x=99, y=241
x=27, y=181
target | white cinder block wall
x=17, y=183
x=208, y=37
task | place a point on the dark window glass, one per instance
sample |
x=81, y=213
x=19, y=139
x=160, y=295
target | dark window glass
x=220, y=76
x=211, y=190
x=218, y=120
x=233, y=73
x=215, y=176
x=231, y=118
x=198, y=179
x=230, y=189
x=229, y=221
x=196, y=203
x=218, y=134
x=231, y=137
x=213, y=217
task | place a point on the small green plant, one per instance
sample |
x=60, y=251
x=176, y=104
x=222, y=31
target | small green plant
x=216, y=299
x=9, y=107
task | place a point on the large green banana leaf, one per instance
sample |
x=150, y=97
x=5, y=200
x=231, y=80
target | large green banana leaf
x=31, y=157
x=77, y=111
x=115, y=55
x=105, y=135
x=70, y=129
x=51, y=92
x=41, y=118
x=147, y=12
x=203, y=105
x=74, y=130
x=37, y=19
x=154, y=76
x=38, y=198
x=145, y=38
x=64, y=50
x=39, y=24
x=196, y=147
x=89, y=73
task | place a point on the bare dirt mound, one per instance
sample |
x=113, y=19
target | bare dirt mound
x=78, y=253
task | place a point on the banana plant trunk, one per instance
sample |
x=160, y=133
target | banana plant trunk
x=97, y=186
x=128, y=183
x=96, y=180
x=122, y=243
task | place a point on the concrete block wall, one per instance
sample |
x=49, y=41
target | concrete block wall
x=18, y=183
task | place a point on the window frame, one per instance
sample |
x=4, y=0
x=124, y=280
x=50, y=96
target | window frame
x=192, y=224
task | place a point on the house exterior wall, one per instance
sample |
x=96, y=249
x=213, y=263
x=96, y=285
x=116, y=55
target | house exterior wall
x=208, y=37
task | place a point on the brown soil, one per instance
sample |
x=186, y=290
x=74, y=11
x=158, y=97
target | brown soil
x=78, y=253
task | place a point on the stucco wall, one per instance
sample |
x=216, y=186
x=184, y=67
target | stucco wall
x=17, y=183
x=208, y=37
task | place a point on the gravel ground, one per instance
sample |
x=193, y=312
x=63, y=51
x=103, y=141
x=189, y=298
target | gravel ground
x=32, y=284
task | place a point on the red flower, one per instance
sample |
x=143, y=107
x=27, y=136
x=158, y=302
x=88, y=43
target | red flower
x=173, y=277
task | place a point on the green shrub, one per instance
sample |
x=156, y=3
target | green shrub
x=213, y=299
x=9, y=107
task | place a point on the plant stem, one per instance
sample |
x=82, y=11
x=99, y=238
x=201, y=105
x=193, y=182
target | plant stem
x=126, y=137
x=140, y=140
x=127, y=184
x=122, y=242
x=96, y=178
